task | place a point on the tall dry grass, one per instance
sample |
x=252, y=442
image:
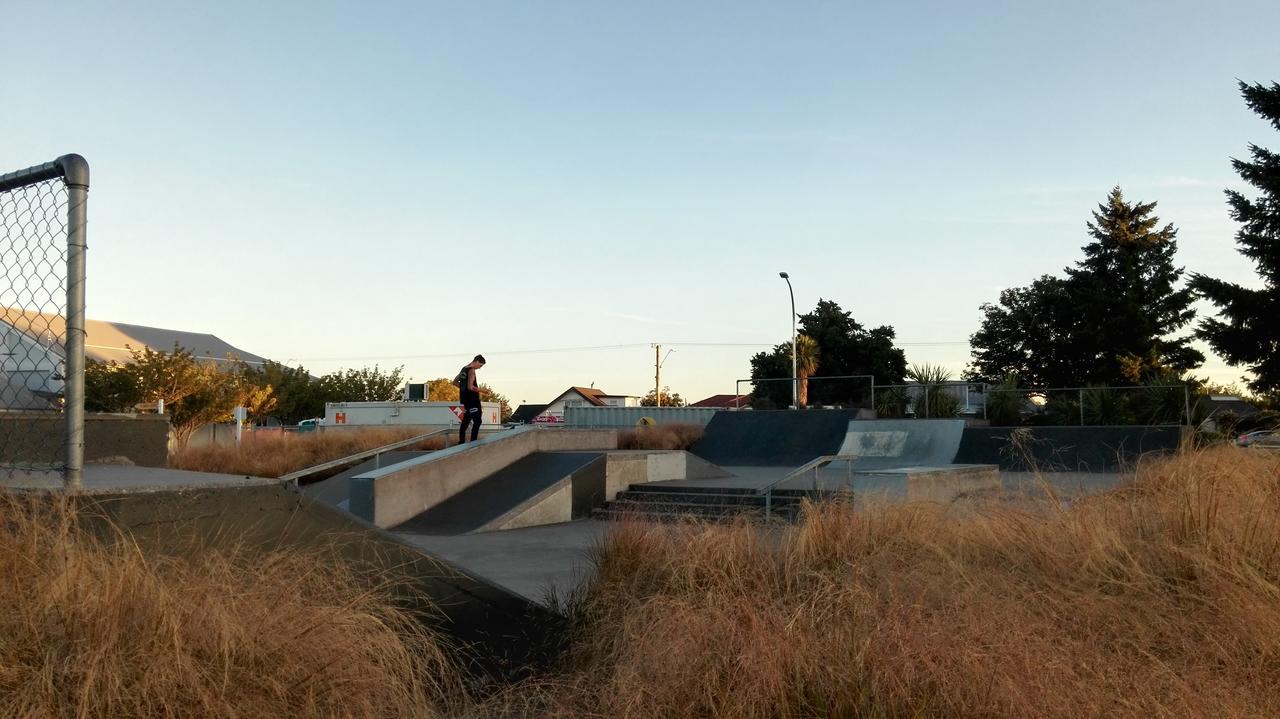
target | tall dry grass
x=1159, y=599
x=274, y=454
x=92, y=627
x=676, y=435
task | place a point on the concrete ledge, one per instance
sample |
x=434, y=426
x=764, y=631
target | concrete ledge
x=907, y=484
x=571, y=498
x=392, y=495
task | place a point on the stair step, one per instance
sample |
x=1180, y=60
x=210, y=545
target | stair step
x=663, y=487
x=697, y=498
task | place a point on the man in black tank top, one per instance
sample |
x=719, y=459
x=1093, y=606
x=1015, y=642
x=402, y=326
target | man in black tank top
x=469, y=393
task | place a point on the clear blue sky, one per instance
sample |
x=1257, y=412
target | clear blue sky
x=350, y=183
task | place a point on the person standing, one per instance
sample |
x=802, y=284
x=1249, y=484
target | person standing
x=469, y=393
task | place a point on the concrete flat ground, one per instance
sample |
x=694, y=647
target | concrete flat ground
x=533, y=561
x=123, y=478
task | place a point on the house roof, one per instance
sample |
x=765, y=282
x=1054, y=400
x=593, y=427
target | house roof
x=106, y=341
x=724, y=400
x=590, y=394
x=1225, y=403
x=526, y=412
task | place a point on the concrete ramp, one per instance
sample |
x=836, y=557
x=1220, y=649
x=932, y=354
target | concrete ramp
x=780, y=438
x=896, y=443
x=540, y=488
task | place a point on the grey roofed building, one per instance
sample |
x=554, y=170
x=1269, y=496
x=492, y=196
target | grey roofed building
x=31, y=352
x=107, y=341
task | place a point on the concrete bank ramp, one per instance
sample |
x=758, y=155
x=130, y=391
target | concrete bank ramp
x=776, y=438
x=336, y=490
x=896, y=443
x=573, y=483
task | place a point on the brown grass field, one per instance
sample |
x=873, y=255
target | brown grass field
x=92, y=627
x=663, y=436
x=273, y=454
x=1161, y=598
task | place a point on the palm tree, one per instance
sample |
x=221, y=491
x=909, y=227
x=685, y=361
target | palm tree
x=806, y=365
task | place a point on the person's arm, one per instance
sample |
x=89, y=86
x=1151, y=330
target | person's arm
x=471, y=380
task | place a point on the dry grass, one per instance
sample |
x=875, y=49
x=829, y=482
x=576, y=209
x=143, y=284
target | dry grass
x=93, y=628
x=661, y=436
x=274, y=454
x=1160, y=599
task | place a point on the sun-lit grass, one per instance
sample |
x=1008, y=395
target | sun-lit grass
x=1158, y=599
x=662, y=436
x=95, y=627
x=273, y=454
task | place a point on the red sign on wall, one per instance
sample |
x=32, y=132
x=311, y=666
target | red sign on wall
x=339, y=417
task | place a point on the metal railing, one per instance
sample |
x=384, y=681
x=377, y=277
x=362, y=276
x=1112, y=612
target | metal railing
x=43, y=215
x=376, y=453
x=811, y=381
x=811, y=466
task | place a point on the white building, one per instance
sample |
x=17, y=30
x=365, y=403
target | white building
x=553, y=411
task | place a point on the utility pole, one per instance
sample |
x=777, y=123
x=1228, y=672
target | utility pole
x=657, y=374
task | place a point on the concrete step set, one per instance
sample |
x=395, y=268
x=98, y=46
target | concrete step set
x=655, y=502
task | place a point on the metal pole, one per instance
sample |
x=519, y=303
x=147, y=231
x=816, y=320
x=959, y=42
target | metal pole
x=657, y=375
x=1082, y=407
x=795, y=389
x=1186, y=402
x=76, y=175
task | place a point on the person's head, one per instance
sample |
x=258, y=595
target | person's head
x=478, y=362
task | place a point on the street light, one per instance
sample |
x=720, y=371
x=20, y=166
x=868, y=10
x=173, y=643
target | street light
x=794, y=391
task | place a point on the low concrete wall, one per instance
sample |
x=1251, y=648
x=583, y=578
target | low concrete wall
x=1074, y=449
x=141, y=439
x=395, y=494
x=506, y=631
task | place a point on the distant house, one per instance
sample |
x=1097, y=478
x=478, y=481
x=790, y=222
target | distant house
x=553, y=411
x=725, y=401
x=1220, y=405
x=31, y=353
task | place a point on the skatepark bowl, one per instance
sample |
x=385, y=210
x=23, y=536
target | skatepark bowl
x=489, y=532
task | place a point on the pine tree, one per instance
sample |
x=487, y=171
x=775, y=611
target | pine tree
x=1126, y=289
x=1112, y=320
x=1247, y=331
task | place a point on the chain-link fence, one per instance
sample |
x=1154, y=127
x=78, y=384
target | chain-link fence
x=42, y=248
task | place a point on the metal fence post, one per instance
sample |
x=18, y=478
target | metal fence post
x=76, y=174
x=1082, y=407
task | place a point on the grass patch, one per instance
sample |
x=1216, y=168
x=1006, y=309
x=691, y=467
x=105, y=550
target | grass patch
x=1158, y=599
x=660, y=436
x=274, y=454
x=92, y=627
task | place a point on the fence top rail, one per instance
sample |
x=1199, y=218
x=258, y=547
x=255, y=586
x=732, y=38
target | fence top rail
x=73, y=168
x=1095, y=388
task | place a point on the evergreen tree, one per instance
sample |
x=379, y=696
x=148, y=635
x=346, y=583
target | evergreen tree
x=1126, y=288
x=1112, y=320
x=1247, y=332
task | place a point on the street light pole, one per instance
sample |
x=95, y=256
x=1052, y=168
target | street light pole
x=795, y=403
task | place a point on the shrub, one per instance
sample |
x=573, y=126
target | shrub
x=274, y=454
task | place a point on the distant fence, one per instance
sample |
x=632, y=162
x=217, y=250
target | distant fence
x=631, y=416
x=42, y=261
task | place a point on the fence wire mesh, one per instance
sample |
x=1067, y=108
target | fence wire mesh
x=33, y=333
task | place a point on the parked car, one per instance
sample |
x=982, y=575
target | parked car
x=309, y=425
x=1260, y=438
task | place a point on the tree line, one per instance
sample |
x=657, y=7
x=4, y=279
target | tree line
x=196, y=393
x=1122, y=315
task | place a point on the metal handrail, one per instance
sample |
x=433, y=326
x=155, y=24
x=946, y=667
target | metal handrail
x=376, y=453
x=812, y=465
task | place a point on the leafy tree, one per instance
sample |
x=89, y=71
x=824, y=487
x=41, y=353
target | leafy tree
x=297, y=393
x=669, y=398
x=1028, y=334
x=844, y=347
x=1112, y=320
x=110, y=387
x=1247, y=331
x=367, y=384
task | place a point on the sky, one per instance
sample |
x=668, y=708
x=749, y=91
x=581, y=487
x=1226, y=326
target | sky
x=349, y=184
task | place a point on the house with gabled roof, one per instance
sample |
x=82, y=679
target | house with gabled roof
x=553, y=411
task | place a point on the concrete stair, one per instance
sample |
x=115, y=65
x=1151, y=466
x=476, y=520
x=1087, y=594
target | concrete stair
x=663, y=502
